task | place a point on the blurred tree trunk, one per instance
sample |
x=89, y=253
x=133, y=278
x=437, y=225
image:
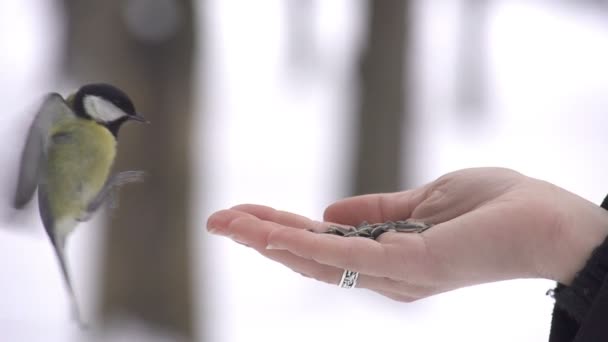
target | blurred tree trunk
x=301, y=45
x=382, y=91
x=146, y=270
x=470, y=84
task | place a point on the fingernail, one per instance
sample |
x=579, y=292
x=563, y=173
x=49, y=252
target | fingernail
x=215, y=231
x=275, y=247
x=242, y=244
x=237, y=239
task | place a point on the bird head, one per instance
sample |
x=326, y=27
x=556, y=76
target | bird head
x=105, y=104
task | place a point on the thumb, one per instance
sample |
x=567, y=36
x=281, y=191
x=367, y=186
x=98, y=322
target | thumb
x=374, y=208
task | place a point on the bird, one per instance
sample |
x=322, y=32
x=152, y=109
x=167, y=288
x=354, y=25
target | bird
x=68, y=157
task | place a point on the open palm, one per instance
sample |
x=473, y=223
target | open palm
x=490, y=224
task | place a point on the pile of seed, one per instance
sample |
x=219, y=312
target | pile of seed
x=374, y=230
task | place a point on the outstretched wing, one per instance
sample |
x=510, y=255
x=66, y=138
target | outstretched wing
x=53, y=108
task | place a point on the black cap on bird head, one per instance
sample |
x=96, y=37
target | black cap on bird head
x=105, y=104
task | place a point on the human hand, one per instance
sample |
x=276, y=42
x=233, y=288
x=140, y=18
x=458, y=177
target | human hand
x=490, y=224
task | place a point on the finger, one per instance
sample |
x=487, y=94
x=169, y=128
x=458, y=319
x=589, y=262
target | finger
x=239, y=226
x=244, y=227
x=219, y=222
x=375, y=208
x=281, y=217
x=398, y=256
x=333, y=275
x=306, y=267
x=357, y=254
x=397, y=296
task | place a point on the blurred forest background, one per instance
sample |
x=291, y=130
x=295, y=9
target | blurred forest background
x=292, y=104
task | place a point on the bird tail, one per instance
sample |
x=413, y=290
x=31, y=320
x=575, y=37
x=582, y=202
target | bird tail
x=59, y=245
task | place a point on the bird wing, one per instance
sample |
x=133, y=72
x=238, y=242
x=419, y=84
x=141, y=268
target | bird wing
x=45, y=213
x=33, y=162
x=53, y=108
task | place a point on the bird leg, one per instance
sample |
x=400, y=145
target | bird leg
x=108, y=192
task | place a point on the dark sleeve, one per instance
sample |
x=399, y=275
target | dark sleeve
x=581, y=309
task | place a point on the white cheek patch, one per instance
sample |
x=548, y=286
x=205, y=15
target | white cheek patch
x=102, y=110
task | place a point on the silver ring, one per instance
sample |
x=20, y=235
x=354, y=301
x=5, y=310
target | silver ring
x=349, y=279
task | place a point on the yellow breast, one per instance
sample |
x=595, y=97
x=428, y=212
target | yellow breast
x=78, y=163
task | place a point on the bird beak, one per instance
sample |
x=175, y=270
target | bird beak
x=139, y=118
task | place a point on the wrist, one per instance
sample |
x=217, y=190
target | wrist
x=582, y=228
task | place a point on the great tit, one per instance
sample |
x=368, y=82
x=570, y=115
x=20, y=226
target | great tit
x=68, y=156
